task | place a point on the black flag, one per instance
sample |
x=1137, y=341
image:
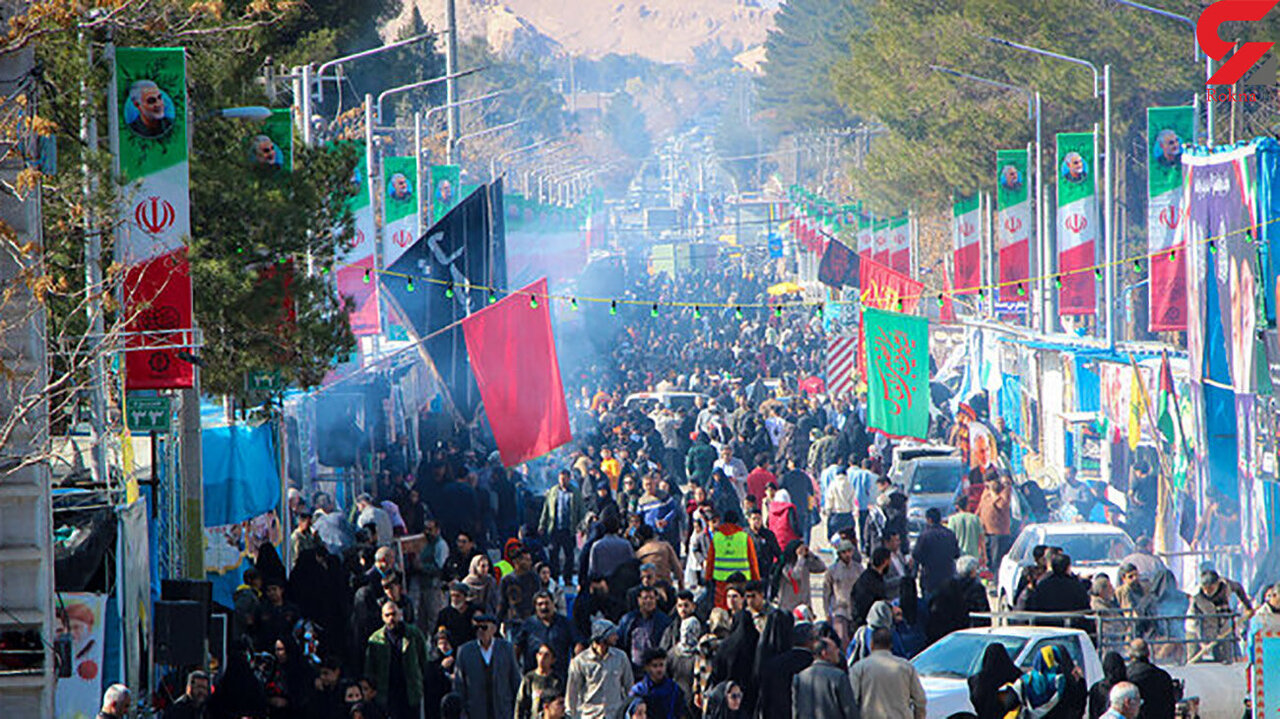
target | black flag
x=840, y=266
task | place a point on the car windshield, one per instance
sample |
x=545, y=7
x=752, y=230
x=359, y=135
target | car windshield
x=959, y=655
x=935, y=477
x=1092, y=548
x=682, y=401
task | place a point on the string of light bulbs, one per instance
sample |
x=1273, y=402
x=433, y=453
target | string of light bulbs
x=777, y=306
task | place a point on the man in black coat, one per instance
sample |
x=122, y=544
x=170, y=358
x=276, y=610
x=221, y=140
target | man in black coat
x=1061, y=591
x=1154, y=683
x=777, y=672
x=935, y=552
x=870, y=587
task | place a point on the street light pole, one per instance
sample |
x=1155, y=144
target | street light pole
x=1042, y=234
x=478, y=133
x=1195, y=56
x=493, y=163
x=1108, y=224
x=420, y=84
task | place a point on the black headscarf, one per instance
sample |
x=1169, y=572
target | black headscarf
x=736, y=654
x=997, y=670
x=1113, y=672
x=716, y=705
x=776, y=638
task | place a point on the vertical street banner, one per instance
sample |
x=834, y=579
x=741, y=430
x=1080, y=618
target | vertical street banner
x=897, y=357
x=866, y=237
x=1013, y=229
x=900, y=244
x=400, y=207
x=966, y=245
x=880, y=244
x=1168, y=128
x=149, y=142
x=1078, y=224
x=446, y=189
x=271, y=147
x=82, y=616
x=355, y=271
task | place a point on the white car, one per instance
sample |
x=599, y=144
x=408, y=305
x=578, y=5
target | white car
x=946, y=666
x=649, y=401
x=1093, y=548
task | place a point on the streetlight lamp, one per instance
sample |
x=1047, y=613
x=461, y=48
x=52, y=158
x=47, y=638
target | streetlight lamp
x=493, y=163
x=479, y=133
x=420, y=84
x=1195, y=55
x=1033, y=108
x=1107, y=224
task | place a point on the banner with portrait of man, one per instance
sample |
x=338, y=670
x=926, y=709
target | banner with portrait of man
x=1168, y=129
x=401, y=203
x=271, y=147
x=966, y=245
x=1013, y=228
x=148, y=126
x=446, y=189
x=1078, y=224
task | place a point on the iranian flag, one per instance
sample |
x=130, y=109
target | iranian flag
x=1013, y=231
x=900, y=244
x=149, y=142
x=1077, y=223
x=897, y=357
x=881, y=251
x=401, y=205
x=966, y=247
x=355, y=260
x=1167, y=129
x=866, y=237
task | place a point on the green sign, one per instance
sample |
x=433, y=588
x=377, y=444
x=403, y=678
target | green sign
x=897, y=356
x=147, y=414
x=263, y=381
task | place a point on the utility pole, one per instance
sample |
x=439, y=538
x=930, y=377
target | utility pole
x=451, y=68
x=93, y=284
x=26, y=519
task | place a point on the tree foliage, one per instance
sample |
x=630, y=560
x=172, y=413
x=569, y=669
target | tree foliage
x=810, y=38
x=624, y=124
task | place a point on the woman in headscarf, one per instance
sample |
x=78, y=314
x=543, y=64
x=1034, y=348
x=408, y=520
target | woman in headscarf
x=1053, y=689
x=736, y=655
x=782, y=518
x=791, y=575
x=997, y=670
x=484, y=588
x=724, y=701
x=290, y=680
x=1113, y=672
x=880, y=616
x=637, y=709
x=683, y=656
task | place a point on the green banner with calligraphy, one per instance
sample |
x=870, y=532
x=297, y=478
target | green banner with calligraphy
x=897, y=357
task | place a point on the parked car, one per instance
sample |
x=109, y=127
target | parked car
x=947, y=664
x=1092, y=546
x=907, y=452
x=931, y=482
x=649, y=401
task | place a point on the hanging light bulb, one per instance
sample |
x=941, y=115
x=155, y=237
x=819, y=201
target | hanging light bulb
x=1137, y=265
x=409, y=285
x=941, y=300
x=653, y=311
x=1057, y=281
x=1248, y=236
x=1213, y=247
x=493, y=296
x=448, y=290
x=1173, y=255
x=820, y=310
x=1097, y=274
x=368, y=276
x=324, y=270
x=533, y=301
x=613, y=307
x=777, y=311
x=573, y=302
x=697, y=312
x=737, y=313
x=1022, y=290
x=981, y=293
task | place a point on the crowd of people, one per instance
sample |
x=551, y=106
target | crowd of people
x=741, y=554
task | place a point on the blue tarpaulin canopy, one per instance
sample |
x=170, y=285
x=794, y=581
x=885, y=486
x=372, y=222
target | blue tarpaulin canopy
x=241, y=479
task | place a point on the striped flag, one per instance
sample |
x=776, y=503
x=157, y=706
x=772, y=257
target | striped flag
x=841, y=356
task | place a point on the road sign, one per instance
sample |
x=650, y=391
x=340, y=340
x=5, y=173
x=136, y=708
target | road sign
x=264, y=381
x=147, y=414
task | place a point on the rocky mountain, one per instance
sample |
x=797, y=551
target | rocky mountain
x=662, y=30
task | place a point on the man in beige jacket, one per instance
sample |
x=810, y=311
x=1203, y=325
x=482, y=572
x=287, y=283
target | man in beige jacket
x=885, y=686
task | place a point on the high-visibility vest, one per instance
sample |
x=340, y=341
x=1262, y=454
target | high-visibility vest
x=730, y=555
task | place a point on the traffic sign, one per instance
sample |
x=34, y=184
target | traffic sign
x=147, y=414
x=263, y=381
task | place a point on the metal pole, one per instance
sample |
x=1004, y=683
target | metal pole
x=417, y=167
x=306, y=105
x=1109, y=225
x=1208, y=102
x=94, y=287
x=371, y=165
x=451, y=67
x=1041, y=224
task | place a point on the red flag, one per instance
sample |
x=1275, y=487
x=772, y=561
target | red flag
x=948, y=309
x=158, y=299
x=513, y=356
